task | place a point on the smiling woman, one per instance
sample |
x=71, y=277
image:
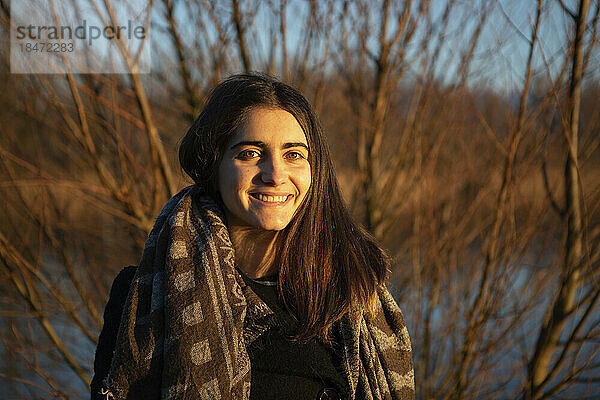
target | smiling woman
x=265, y=174
x=255, y=282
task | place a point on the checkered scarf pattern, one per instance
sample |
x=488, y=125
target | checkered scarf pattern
x=189, y=316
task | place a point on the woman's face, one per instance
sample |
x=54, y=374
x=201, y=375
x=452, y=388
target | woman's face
x=265, y=174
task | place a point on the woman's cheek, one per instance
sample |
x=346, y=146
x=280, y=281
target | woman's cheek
x=304, y=178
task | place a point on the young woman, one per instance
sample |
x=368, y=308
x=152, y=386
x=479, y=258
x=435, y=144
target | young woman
x=255, y=283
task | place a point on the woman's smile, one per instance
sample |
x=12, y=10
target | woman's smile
x=272, y=199
x=265, y=173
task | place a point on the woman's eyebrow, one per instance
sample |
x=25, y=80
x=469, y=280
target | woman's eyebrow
x=256, y=143
x=294, y=144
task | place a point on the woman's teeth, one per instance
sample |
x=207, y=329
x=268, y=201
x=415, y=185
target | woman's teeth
x=271, y=199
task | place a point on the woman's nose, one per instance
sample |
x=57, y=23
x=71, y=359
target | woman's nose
x=273, y=171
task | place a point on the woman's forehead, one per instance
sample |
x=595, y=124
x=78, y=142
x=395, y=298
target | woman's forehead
x=271, y=127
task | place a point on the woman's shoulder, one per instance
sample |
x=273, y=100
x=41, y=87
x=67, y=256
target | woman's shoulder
x=124, y=278
x=110, y=328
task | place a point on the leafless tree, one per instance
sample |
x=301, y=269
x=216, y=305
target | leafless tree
x=465, y=136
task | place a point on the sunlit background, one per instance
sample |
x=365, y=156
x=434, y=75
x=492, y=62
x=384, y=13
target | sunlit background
x=465, y=136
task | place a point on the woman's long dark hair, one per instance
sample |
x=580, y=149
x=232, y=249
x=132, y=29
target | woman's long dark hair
x=328, y=263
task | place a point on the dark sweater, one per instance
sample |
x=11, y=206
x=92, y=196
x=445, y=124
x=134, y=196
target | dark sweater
x=281, y=368
x=286, y=369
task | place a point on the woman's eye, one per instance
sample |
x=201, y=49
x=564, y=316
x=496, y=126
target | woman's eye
x=294, y=155
x=248, y=154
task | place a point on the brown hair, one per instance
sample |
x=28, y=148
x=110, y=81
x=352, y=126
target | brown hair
x=328, y=263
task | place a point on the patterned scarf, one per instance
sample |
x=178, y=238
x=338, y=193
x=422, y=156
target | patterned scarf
x=189, y=316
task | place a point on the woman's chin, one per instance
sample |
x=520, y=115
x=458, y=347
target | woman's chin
x=272, y=225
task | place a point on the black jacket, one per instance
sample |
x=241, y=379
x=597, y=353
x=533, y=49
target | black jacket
x=108, y=335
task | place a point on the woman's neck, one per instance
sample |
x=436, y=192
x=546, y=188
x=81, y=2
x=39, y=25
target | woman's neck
x=253, y=250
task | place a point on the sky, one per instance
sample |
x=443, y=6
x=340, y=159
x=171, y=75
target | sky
x=499, y=60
